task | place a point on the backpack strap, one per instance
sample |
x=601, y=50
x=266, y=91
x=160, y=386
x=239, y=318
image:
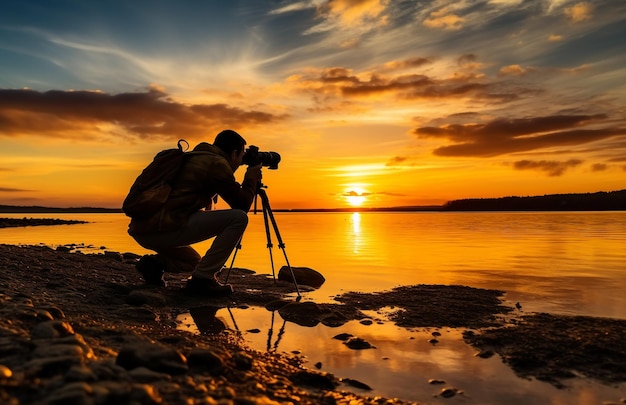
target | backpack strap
x=180, y=145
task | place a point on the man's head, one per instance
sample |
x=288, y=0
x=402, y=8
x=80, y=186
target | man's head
x=233, y=144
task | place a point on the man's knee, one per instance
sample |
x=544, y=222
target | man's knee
x=240, y=218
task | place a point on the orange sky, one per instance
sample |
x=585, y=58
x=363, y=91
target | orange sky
x=370, y=103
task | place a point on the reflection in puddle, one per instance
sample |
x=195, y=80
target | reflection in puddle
x=402, y=362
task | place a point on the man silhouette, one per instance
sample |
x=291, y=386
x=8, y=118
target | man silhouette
x=186, y=218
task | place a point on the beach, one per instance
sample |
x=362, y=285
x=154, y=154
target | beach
x=83, y=328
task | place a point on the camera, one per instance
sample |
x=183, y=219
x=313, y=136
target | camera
x=253, y=157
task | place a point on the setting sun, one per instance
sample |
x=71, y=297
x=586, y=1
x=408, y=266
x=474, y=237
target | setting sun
x=355, y=196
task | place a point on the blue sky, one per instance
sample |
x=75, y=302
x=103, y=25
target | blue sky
x=394, y=102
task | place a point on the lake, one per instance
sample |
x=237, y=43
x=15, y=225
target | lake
x=571, y=263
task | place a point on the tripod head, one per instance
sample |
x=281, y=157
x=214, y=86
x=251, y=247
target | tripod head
x=260, y=190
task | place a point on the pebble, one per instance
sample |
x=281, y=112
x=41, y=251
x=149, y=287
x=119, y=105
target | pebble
x=357, y=343
x=448, y=392
x=5, y=372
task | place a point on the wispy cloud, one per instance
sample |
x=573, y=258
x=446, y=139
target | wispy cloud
x=14, y=190
x=552, y=168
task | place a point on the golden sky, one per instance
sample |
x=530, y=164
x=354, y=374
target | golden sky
x=372, y=103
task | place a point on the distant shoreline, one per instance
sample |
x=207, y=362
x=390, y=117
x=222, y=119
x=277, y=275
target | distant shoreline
x=599, y=201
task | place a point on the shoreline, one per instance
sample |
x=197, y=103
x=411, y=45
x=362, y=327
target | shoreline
x=83, y=319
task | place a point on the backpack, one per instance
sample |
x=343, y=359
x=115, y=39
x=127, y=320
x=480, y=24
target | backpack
x=152, y=187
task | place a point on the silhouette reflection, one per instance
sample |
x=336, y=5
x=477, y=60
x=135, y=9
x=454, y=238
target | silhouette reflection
x=206, y=320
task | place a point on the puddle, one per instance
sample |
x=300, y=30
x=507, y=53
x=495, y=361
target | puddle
x=402, y=362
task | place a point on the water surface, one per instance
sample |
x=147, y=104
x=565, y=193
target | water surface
x=570, y=263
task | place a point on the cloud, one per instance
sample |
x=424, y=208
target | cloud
x=353, y=16
x=599, y=167
x=501, y=136
x=353, y=193
x=14, y=190
x=444, y=18
x=350, y=13
x=342, y=82
x=81, y=114
x=515, y=70
x=579, y=12
x=552, y=168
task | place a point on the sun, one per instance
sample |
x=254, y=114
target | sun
x=355, y=196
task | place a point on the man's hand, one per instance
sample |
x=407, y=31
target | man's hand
x=253, y=174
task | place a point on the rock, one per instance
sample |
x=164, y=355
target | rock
x=145, y=297
x=357, y=384
x=205, y=359
x=72, y=393
x=49, y=366
x=323, y=381
x=243, y=361
x=448, y=392
x=485, y=354
x=357, y=343
x=152, y=356
x=343, y=336
x=144, y=375
x=80, y=373
x=113, y=255
x=51, y=329
x=302, y=313
x=304, y=275
x=5, y=372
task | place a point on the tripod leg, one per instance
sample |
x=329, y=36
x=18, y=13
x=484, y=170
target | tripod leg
x=268, y=235
x=281, y=245
x=237, y=249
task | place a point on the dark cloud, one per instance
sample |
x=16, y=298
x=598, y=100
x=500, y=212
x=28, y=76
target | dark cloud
x=502, y=136
x=353, y=193
x=397, y=160
x=14, y=190
x=599, y=167
x=72, y=114
x=552, y=168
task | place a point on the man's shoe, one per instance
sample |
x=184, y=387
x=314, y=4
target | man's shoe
x=207, y=287
x=152, y=270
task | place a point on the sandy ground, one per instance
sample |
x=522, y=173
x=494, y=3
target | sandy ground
x=79, y=328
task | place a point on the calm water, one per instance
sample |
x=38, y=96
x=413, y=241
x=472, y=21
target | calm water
x=565, y=263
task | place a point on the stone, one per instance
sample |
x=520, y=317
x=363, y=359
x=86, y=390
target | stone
x=356, y=384
x=205, y=359
x=51, y=329
x=304, y=276
x=357, y=343
x=343, y=336
x=5, y=372
x=152, y=356
x=113, y=255
x=49, y=366
x=144, y=375
x=72, y=393
x=325, y=381
x=145, y=297
x=242, y=361
x=301, y=313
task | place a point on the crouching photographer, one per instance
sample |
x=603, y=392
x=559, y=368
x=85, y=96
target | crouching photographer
x=185, y=217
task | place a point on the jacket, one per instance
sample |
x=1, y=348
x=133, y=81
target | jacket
x=203, y=177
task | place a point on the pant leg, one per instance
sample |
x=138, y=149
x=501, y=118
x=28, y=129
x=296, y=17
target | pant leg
x=227, y=226
x=180, y=259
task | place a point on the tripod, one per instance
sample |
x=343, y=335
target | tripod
x=268, y=216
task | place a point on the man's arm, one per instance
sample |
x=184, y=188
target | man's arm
x=240, y=196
